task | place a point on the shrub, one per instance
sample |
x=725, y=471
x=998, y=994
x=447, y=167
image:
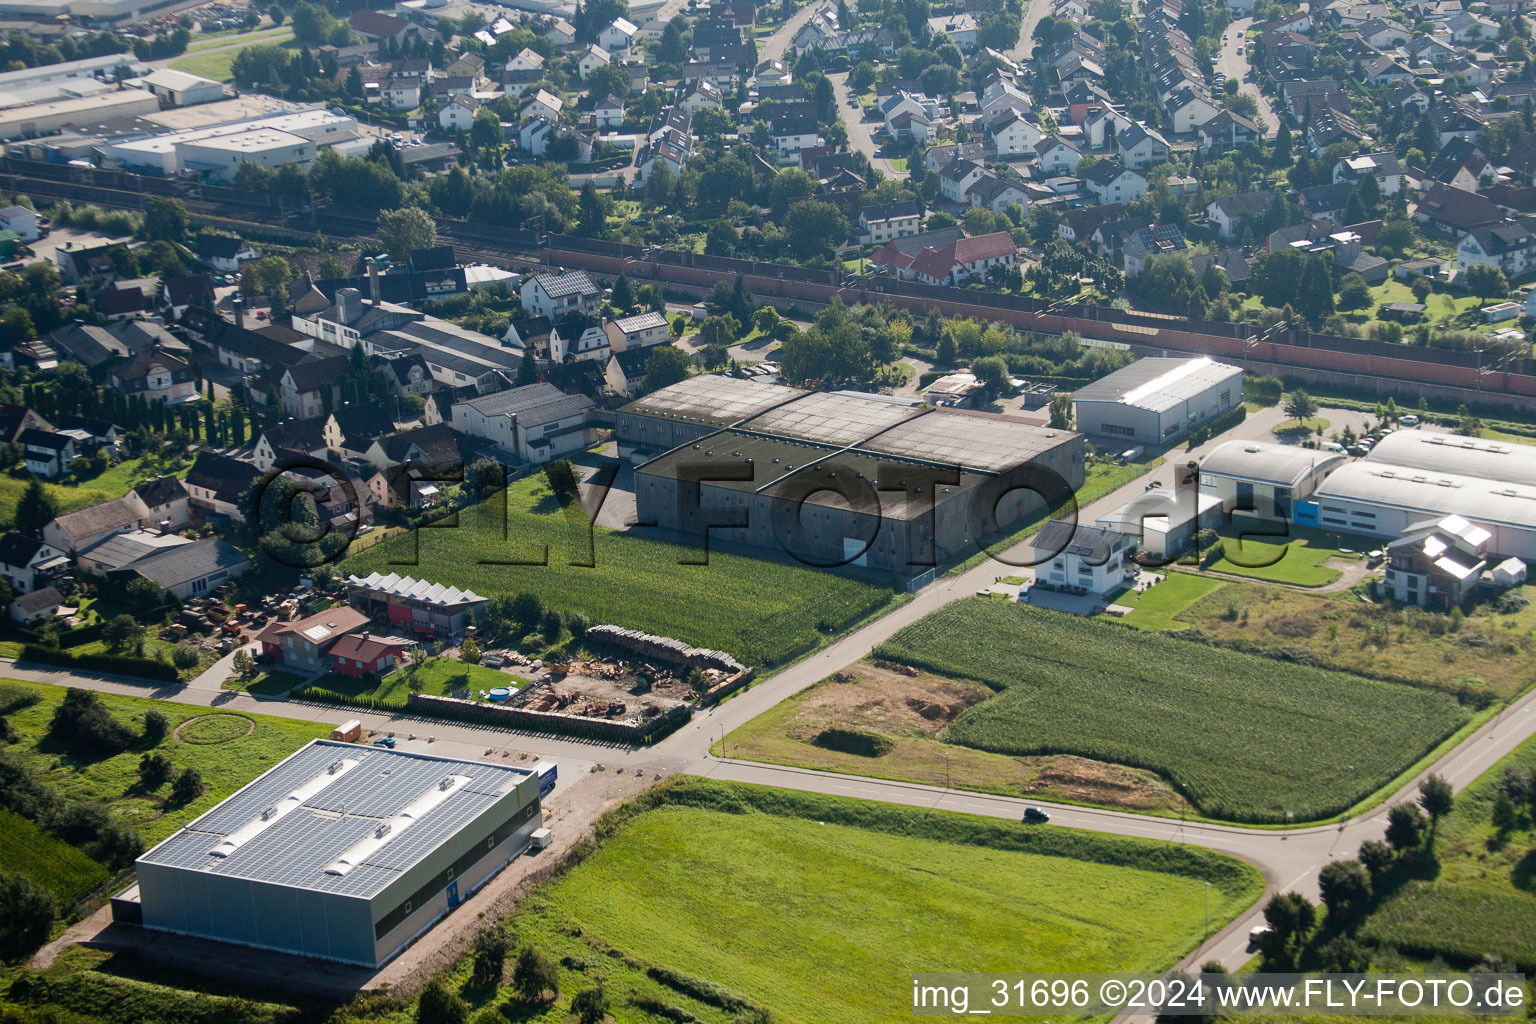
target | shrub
x=26, y=916
x=144, y=668
x=156, y=725
x=590, y=1005
x=534, y=975
x=154, y=769
x=854, y=741
x=187, y=787
x=491, y=949
x=83, y=724
x=185, y=656
x=439, y=1005
x=578, y=624
x=551, y=626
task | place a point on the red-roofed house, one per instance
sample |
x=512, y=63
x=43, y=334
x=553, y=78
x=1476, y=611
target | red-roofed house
x=334, y=640
x=954, y=264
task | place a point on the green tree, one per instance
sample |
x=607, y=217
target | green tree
x=590, y=1005
x=1376, y=856
x=121, y=632
x=156, y=725
x=1315, y=298
x=814, y=227
x=275, y=12
x=1354, y=293
x=1061, y=412
x=551, y=626
x=492, y=947
x=665, y=365
x=1300, y=406
x=485, y=131
x=526, y=609
x=561, y=479
x=244, y=664
x=27, y=913
x=35, y=509
x=1487, y=281
x=534, y=974
x=1345, y=886
x=1437, y=799
x=185, y=656
x=766, y=320
x=1405, y=827
x=992, y=373
x=623, y=297
x=469, y=652
x=165, y=219
x=405, y=230
x=438, y=1004
x=1291, y=918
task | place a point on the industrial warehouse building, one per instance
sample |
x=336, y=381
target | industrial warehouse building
x=834, y=478
x=1266, y=478
x=1412, y=476
x=1156, y=401
x=341, y=852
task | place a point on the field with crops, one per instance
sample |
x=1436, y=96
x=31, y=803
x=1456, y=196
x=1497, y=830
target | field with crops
x=1482, y=900
x=761, y=611
x=680, y=912
x=1245, y=738
x=51, y=863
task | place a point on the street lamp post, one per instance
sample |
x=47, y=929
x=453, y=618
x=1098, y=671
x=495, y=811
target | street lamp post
x=1206, y=892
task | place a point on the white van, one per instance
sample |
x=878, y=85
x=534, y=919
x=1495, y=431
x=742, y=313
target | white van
x=1333, y=446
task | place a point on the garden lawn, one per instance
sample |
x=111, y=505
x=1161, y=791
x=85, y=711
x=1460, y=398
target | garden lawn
x=1245, y=738
x=258, y=743
x=1299, y=557
x=1155, y=607
x=119, y=479
x=439, y=677
x=51, y=863
x=265, y=684
x=854, y=898
x=1483, y=901
x=760, y=610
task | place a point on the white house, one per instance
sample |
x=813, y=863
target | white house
x=535, y=423
x=458, y=114
x=1112, y=182
x=639, y=331
x=1083, y=559
x=956, y=179
x=1014, y=133
x=20, y=220
x=593, y=58
x=525, y=60
x=577, y=336
x=961, y=29
x=1056, y=156
x=1141, y=147
x=618, y=36
x=554, y=295
x=609, y=112
x=542, y=104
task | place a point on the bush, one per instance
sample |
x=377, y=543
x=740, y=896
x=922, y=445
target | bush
x=83, y=724
x=590, y=1005
x=854, y=741
x=185, y=656
x=439, y=1005
x=154, y=770
x=578, y=624
x=551, y=626
x=26, y=916
x=534, y=975
x=187, y=787
x=156, y=725
x=491, y=949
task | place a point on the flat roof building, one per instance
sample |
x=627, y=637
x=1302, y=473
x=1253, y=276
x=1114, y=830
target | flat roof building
x=1266, y=478
x=1158, y=400
x=1411, y=476
x=836, y=478
x=35, y=119
x=340, y=851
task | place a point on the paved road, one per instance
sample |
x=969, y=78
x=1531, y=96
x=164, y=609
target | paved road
x=861, y=132
x=1234, y=65
x=776, y=45
x=1288, y=859
x=1036, y=10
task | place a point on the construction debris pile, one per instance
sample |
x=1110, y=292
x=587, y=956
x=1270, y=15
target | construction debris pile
x=665, y=648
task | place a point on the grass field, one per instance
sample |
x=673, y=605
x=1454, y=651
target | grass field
x=68, y=499
x=1490, y=653
x=761, y=611
x=118, y=479
x=51, y=863
x=854, y=892
x=1244, y=738
x=265, y=684
x=216, y=57
x=229, y=751
x=1483, y=901
x=1300, y=557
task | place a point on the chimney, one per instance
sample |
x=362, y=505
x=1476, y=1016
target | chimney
x=373, y=281
x=349, y=304
x=239, y=305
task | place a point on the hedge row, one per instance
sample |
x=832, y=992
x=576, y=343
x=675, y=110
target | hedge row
x=146, y=669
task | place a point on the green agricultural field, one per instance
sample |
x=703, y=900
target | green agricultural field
x=51, y=863
x=227, y=749
x=761, y=611
x=1482, y=902
x=853, y=898
x=1245, y=738
x=1486, y=656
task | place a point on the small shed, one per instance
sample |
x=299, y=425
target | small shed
x=1508, y=573
x=40, y=604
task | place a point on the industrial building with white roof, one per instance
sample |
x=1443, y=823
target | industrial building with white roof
x=1157, y=401
x=1412, y=476
x=340, y=851
x=1263, y=477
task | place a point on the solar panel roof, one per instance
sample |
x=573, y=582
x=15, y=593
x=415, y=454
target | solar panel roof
x=338, y=809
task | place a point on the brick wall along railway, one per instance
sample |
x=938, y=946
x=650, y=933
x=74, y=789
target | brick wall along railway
x=1404, y=371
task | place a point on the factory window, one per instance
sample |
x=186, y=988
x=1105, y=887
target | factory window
x=407, y=906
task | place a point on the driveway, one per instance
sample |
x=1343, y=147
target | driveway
x=1036, y=10
x=1235, y=65
x=861, y=133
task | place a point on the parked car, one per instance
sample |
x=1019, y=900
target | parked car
x=1409, y=421
x=384, y=741
x=1036, y=816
